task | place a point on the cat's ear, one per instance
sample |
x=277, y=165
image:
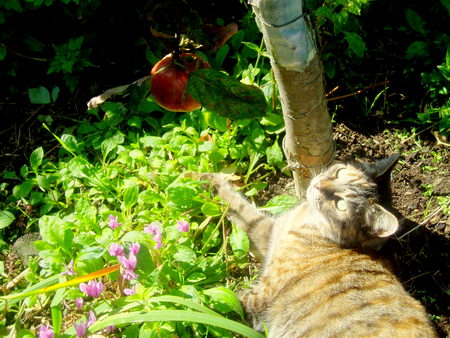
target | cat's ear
x=384, y=167
x=381, y=221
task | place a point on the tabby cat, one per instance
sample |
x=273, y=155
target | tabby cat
x=318, y=278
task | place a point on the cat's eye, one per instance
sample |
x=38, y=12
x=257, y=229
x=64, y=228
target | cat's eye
x=340, y=173
x=341, y=205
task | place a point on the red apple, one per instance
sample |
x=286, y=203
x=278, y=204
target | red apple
x=169, y=79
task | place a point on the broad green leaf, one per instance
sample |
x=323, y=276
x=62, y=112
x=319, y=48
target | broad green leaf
x=150, y=196
x=6, y=218
x=417, y=49
x=39, y=95
x=211, y=209
x=55, y=93
x=226, y=96
x=239, y=241
x=110, y=144
x=130, y=196
x=2, y=53
x=225, y=300
x=184, y=254
x=355, y=43
x=86, y=212
x=36, y=158
x=71, y=142
x=280, y=204
x=135, y=236
x=275, y=155
x=22, y=190
x=415, y=21
x=152, y=141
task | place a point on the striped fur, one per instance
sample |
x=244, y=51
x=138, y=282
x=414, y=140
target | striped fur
x=318, y=279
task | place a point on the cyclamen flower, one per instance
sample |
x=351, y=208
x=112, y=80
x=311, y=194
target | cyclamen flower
x=155, y=230
x=183, y=226
x=69, y=269
x=92, y=288
x=81, y=328
x=79, y=303
x=113, y=222
x=128, y=263
x=45, y=332
x=129, y=292
x=110, y=328
x=134, y=248
x=115, y=250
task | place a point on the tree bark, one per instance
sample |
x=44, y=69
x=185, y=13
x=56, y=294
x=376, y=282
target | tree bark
x=308, y=144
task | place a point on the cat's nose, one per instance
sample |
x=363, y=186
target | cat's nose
x=322, y=185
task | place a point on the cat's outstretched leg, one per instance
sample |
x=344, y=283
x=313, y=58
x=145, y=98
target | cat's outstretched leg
x=258, y=225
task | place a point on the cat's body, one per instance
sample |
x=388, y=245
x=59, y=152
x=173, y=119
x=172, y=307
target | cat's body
x=317, y=278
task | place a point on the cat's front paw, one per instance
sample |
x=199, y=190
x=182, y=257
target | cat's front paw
x=252, y=301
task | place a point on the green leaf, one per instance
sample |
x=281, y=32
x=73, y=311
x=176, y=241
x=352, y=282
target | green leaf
x=6, y=218
x=415, y=21
x=280, y=204
x=225, y=300
x=239, y=241
x=36, y=158
x=2, y=53
x=110, y=144
x=172, y=315
x=39, y=95
x=275, y=155
x=355, y=43
x=152, y=141
x=211, y=209
x=130, y=196
x=55, y=93
x=418, y=49
x=226, y=96
x=56, y=310
x=184, y=254
x=150, y=196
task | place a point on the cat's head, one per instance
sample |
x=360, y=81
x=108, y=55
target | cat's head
x=353, y=197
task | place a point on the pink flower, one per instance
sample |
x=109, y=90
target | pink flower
x=79, y=303
x=113, y=222
x=45, y=332
x=129, y=292
x=110, y=328
x=92, y=288
x=134, y=248
x=129, y=275
x=115, y=250
x=155, y=229
x=128, y=263
x=91, y=320
x=69, y=269
x=80, y=329
x=183, y=226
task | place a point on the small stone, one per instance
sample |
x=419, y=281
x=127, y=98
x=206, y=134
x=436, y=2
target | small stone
x=442, y=186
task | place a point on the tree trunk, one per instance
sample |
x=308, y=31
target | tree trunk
x=308, y=144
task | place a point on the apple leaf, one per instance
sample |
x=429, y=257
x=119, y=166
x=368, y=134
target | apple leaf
x=228, y=97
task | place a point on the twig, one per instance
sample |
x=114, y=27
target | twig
x=425, y=221
x=98, y=100
x=357, y=92
x=22, y=55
